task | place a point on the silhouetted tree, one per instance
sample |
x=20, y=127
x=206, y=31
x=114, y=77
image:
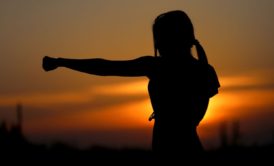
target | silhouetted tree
x=19, y=112
x=236, y=135
x=3, y=136
x=223, y=135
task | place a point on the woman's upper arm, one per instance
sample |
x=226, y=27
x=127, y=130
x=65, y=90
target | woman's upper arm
x=141, y=66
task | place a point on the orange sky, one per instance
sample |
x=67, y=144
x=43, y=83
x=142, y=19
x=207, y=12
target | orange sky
x=113, y=111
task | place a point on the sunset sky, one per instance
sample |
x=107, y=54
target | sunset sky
x=83, y=110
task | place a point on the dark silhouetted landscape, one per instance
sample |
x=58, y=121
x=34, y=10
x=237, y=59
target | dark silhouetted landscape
x=14, y=147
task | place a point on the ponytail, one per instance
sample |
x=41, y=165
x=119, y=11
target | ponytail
x=200, y=52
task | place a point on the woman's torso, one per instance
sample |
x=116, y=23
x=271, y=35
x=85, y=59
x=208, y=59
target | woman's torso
x=176, y=91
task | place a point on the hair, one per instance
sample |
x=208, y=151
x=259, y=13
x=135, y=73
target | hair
x=174, y=30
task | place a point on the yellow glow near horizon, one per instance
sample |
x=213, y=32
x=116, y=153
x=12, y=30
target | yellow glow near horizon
x=120, y=117
x=228, y=105
x=232, y=104
x=225, y=100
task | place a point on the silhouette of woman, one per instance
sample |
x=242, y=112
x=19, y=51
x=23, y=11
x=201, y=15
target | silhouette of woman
x=180, y=85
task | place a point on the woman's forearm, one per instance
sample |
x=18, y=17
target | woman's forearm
x=91, y=66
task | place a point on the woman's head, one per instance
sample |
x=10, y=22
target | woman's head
x=173, y=33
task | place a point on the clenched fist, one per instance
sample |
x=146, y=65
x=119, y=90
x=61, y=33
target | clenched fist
x=49, y=63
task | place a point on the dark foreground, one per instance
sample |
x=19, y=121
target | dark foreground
x=26, y=153
x=16, y=149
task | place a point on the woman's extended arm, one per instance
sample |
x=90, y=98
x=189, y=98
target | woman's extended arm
x=137, y=67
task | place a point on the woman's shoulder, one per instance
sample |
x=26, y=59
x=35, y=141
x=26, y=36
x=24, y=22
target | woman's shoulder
x=147, y=58
x=208, y=74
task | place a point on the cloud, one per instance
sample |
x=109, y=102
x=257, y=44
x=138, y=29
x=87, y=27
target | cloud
x=54, y=105
x=256, y=80
x=99, y=95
